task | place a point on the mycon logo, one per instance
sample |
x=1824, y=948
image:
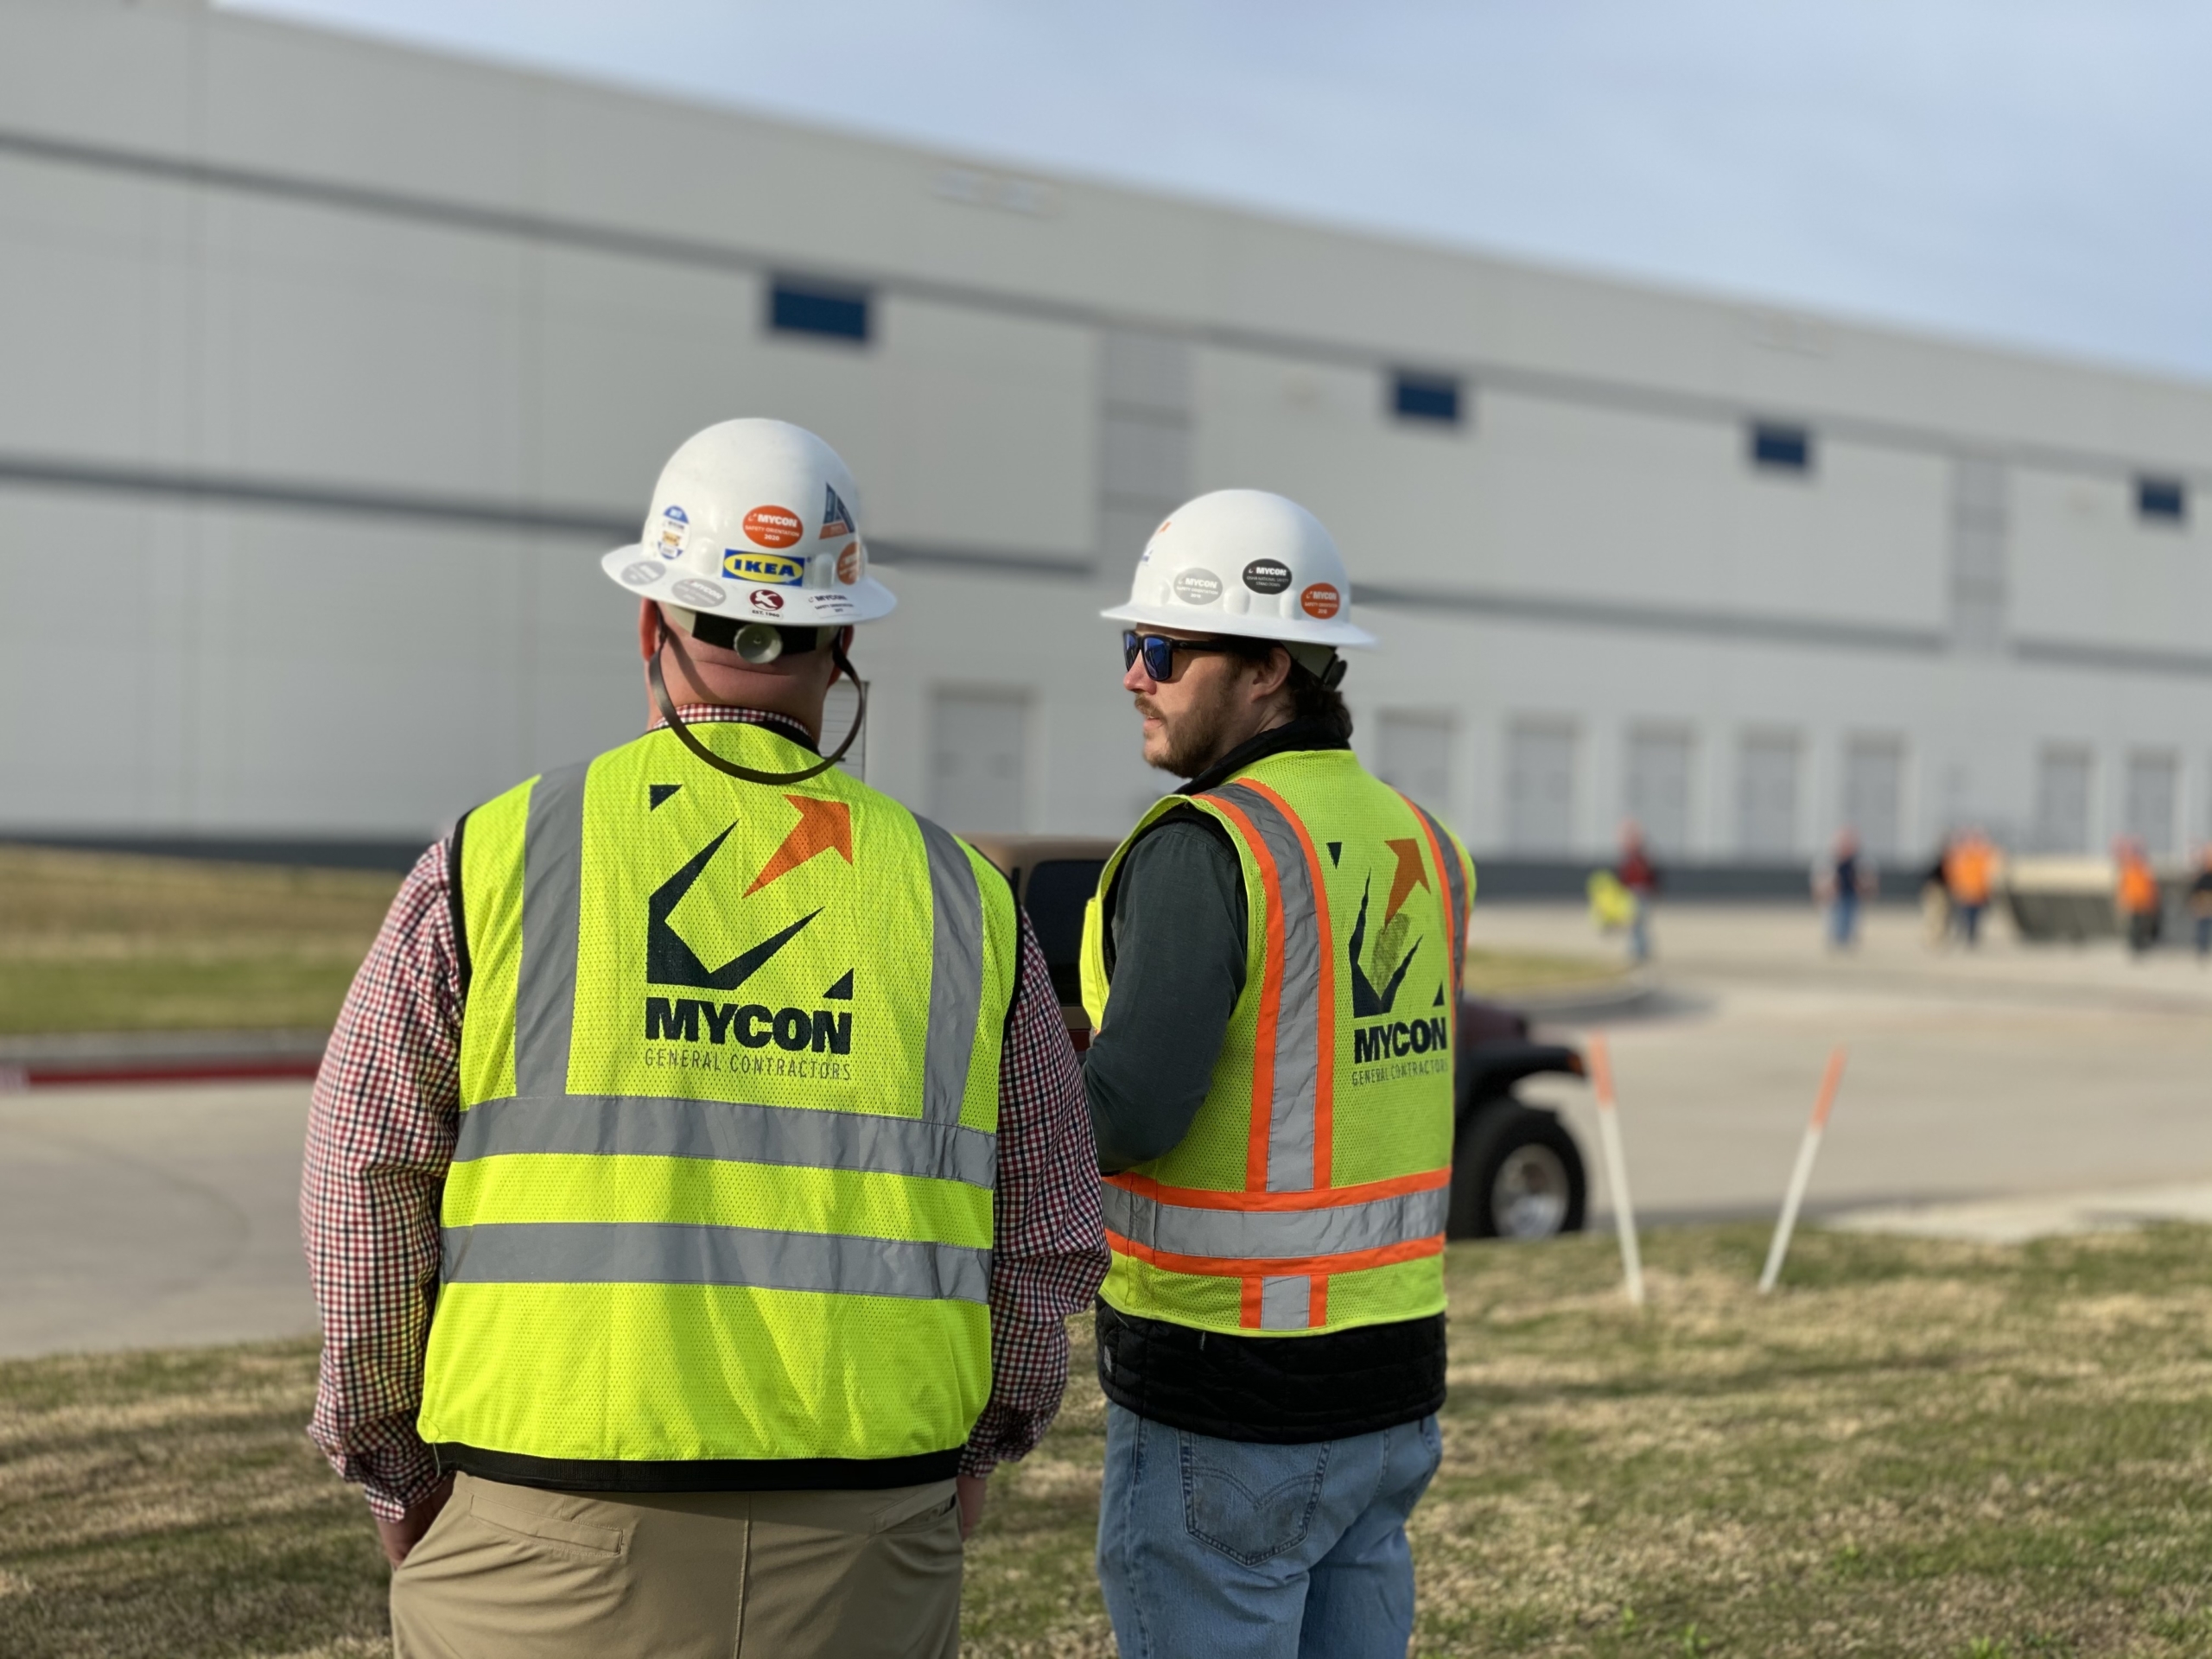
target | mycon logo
x=823, y=826
x=1378, y=973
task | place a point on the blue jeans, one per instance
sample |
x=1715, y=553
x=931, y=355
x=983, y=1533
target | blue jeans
x=1228, y=1549
x=1843, y=920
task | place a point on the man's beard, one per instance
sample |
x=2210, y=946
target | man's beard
x=1196, y=737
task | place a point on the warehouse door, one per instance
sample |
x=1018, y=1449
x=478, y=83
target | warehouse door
x=1415, y=756
x=1873, y=771
x=979, y=776
x=2063, y=801
x=1766, y=796
x=2149, y=811
x=1540, y=786
x=1658, y=795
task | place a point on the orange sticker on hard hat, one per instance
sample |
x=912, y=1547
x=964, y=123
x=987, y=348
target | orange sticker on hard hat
x=1321, y=600
x=772, y=526
x=850, y=563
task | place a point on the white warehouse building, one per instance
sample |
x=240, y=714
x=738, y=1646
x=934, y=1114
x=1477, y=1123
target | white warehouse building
x=331, y=368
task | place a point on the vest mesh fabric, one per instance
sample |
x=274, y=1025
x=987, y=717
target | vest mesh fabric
x=729, y=1064
x=1309, y=1193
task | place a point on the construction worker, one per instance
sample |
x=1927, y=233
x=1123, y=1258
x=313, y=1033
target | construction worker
x=1969, y=877
x=698, y=1180
x=2136, y=895
x=1272, y=963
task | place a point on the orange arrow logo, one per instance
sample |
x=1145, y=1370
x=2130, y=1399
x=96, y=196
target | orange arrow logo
x=1410, y=874
x=823, y=827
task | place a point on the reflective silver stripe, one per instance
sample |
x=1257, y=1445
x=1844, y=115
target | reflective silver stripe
x=1285, y=1304
x=1298, y=1012
x=668, y=1253
x=789, y=1136
x=552, y=894
x=1273, y=1235
x=955, y=973
x=1455, y=883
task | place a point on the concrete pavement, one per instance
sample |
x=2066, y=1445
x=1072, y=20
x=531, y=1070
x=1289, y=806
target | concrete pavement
x=2050, y=1087
x=151, y=1217
x=2014, y=1069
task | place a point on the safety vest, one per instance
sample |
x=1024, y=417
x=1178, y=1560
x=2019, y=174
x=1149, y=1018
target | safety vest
x=729, y=1079
x=1310, y=1193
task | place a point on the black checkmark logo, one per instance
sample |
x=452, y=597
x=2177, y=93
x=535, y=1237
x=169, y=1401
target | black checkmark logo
x=670, y=961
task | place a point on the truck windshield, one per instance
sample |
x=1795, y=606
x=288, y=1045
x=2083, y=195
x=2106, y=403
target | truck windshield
x=1058, y=892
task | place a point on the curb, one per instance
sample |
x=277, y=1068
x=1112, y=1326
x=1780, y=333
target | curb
x=86, y=1059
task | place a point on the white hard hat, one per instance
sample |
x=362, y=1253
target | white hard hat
x=754, y=520
x=1246, y=562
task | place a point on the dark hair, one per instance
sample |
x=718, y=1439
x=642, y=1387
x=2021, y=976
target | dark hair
x=1310, y=699
x=1322, y=704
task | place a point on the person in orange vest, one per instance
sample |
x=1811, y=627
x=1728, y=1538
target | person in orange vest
x=2138, y=895
x=1969, y=869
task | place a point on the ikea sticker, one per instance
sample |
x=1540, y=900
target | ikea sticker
x=773, y=526
x=741, y=566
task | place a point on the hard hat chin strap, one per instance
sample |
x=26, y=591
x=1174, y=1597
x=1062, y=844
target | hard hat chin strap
x=685, y=736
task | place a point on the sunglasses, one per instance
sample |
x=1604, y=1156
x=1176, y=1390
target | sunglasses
x=1159, y=651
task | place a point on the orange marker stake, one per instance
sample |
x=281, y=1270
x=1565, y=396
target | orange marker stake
x=1801, y=1177
x=1609, y=1138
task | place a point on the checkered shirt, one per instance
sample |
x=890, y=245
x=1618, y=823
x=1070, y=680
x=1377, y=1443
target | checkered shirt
x=380, y=1138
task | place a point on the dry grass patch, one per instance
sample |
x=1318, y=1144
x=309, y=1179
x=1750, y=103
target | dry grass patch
x=113, y=942
x=1918, y=1449
x=1510, y=973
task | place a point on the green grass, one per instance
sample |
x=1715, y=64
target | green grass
x=109, y=942
x=1915, y=1449
x=112, y=942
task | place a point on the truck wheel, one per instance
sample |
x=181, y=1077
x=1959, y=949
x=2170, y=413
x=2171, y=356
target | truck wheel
x=1515, y=1174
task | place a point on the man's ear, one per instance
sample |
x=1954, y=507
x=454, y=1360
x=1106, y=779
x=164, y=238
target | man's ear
x=648, y=630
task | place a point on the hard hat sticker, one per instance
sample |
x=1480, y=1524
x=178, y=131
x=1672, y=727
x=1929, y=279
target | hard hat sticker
x=837, y=518
x=741, y=566
x=673, y=525
x=766, y=599
x=772, y=526
x=1198, y=586
x=1267, y=575
x=850, y=563
x=700, y=595
x=1321, y=600
x=641, y=574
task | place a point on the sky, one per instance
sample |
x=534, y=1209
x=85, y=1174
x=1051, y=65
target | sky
x=2033, y=173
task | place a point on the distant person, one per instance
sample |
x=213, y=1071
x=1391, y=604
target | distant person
x=1936, y=923
x=1969, y=876
x=661, y=1316
x=2137, y=894
x=2200, y=902
x=1842, y=882
x=1638, y=874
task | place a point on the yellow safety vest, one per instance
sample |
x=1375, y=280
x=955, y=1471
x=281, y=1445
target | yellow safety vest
x=729, y=1078
x=1310, y=1193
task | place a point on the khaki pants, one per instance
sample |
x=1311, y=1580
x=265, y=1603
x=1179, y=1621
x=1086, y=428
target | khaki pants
x=513, y=1571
